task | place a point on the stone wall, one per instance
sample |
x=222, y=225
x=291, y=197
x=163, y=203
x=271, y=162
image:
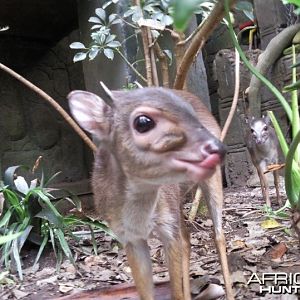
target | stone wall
x=29, y=126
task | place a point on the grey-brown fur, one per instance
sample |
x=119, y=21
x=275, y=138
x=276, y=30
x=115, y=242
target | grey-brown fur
x=262, y=143
x=136, y=176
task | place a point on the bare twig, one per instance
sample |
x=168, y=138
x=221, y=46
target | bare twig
x=53, y=103
x=131, y=65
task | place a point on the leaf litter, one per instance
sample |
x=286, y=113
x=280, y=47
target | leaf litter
x=255, y=244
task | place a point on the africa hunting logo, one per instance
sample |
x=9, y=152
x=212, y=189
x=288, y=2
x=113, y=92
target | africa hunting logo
x=277, y=283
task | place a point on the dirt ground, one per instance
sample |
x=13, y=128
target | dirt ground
x=254, y=246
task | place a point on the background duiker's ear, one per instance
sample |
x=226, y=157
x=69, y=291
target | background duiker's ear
x=91, y=113
x=267, y=119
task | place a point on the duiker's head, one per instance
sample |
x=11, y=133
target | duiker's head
x=154, y=135
x=260, y=129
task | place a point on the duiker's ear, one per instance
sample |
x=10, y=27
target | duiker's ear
x=267, y=119
x=91, y=113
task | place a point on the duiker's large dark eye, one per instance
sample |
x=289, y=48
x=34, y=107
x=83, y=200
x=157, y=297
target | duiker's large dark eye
x=143, y=124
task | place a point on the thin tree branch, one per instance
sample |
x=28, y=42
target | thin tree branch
x=198, y=41
x=146, y=50
x=164, y=65
x=53, y=103
x=152, y=58
x=235, y=97
x=131, y=66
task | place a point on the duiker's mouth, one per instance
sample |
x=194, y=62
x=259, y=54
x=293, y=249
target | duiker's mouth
x=197, y=170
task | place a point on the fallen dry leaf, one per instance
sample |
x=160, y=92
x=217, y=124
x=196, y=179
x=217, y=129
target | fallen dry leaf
x=63, y=288
x=238, y=244
x=278, y=251
x=20, y=294
x=270, y=223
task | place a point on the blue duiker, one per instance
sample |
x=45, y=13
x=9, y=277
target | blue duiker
x=263, y=147
x=151, y=140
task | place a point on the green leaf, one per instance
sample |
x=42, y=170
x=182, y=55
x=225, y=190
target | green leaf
x=17, y=259
x=26, y=231
x=110, y=38
x=46, y=200
x=109, y=53
x=9, y=237
x=15, y=202
x=5, y=219
x=93, y=53
x=183, y=11
x=112, y=17
x=9, y=174
x=292, y=173
x=21, y=185
x=291, y=87
x=105, y=5
x=79, y=56
x=52, y=239
x=100, y=12
x=130, y=11
x=114, y=44
x=167, y=20
x=94, y=20
x=96, y=27
x=64, y=245
x=77, y=45
x=296, y=2
x=52, y=178
x=283, y=144
x=41, y=249
x=48, y=214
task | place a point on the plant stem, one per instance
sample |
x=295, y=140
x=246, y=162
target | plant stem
x=292, y=174
x=294, y=104
x=131, y=66
x=283, y=144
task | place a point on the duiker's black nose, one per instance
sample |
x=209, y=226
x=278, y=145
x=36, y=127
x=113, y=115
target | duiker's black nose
x=214, y=146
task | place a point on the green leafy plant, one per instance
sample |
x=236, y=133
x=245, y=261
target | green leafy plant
x=151, y=19
x=294, y=2
x=30, y=214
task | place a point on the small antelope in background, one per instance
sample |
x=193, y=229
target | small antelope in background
x=263, y=147
x=151, y=140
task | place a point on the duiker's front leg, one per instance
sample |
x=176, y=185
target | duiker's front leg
x=175, y=238
x=264, y=185
x=213, y=191
x=138, y=256
x=276, y=183
x=175, y=253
